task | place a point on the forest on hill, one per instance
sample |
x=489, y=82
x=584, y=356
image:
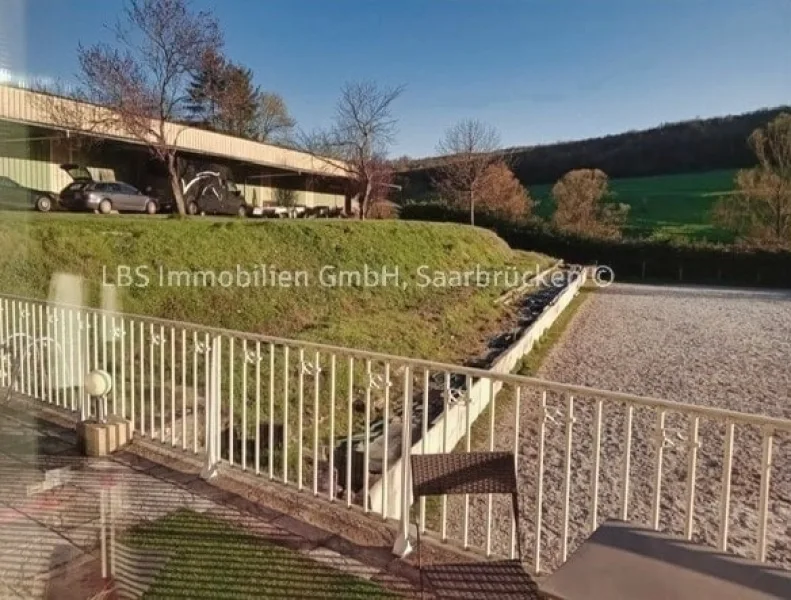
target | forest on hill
x=685, y=147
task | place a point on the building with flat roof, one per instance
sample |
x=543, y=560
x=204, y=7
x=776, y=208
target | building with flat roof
x=33, y=144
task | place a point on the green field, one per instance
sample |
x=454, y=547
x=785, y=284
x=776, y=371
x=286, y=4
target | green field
x=663, y=207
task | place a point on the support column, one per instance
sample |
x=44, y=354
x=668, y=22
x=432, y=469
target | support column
x=403, y=546
x=212, y=412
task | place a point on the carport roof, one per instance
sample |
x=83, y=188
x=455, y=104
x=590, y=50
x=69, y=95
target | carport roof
x=25, y=106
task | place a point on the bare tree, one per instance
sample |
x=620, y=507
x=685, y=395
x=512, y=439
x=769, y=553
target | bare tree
x=138, y=87
x=760, y=209
x=382, y=185
x=401, y=163
x=273, y=121
x=582, y=207
x=470, y=148
x=362, y=132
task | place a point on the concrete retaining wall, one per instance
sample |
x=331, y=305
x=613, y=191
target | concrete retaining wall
x=453, y=422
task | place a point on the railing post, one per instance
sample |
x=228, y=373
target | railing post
x=403, y=546
x=763, y=502
x=543, y=416
x=103, y=530
x=725, y=497
x=692, y=466
x=212, y=413
x=570, y=420
x=84, y=405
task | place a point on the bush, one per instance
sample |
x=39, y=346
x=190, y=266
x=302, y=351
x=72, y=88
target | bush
x=631, y=259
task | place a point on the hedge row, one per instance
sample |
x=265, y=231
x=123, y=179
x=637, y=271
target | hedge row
x=631, y=259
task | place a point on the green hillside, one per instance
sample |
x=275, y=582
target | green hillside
x=663, y=206
x=693, y=146
x=671, y=174
x=440, y=323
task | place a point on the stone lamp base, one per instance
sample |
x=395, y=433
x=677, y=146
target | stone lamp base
x=101, y=439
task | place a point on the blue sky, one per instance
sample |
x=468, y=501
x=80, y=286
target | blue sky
x=538, y=70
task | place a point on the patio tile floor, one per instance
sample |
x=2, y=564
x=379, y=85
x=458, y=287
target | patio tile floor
x=50, y=516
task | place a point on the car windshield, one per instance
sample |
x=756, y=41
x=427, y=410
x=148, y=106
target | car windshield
x=7, y=182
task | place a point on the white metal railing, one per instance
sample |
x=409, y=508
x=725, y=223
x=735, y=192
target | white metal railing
x=333, y=420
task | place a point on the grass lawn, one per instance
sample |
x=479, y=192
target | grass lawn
x=667, y=206
x=440, y=323
x=448, y=324
x=212, y=559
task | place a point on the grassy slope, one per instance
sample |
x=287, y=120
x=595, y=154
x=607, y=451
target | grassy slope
x=668, y=205
x=444, y=324
x=213, y=560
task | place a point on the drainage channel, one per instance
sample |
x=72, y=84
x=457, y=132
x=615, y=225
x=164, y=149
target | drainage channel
x=528, y=309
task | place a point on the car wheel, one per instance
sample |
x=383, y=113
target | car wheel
x=241, y=212
x=105, y=206
x=43, y=204
x=151, y=207
x=192, y=208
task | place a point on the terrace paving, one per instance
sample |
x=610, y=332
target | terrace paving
x=51, y=514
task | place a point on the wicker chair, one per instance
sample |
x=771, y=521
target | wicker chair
x=473, y=473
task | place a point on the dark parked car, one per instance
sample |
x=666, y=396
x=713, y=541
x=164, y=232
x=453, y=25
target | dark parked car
x=209, y=193
x=105, y=196
x=18, y=197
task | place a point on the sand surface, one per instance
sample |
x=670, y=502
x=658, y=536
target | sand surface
x=713, y=347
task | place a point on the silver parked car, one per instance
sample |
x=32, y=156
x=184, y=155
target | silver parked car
x=104, y=196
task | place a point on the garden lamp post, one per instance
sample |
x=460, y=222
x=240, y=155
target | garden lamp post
x=98, y=384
